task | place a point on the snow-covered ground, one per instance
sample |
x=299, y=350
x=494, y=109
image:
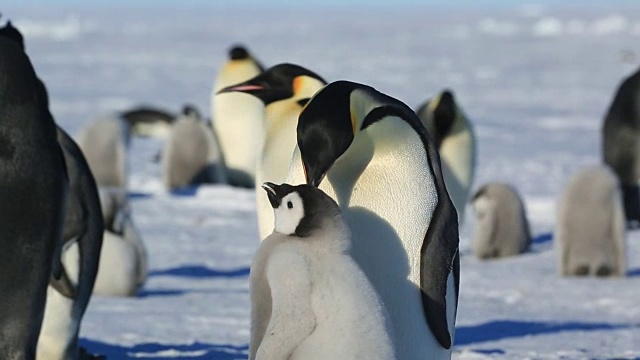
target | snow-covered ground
x=535, y=81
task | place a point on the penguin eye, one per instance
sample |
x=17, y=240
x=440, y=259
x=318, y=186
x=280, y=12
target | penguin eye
x=289, y=204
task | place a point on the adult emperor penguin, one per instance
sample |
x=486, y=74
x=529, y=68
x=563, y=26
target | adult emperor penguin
x=104, y=143
x=83, y=226
x=383, y=169
x=621, y=144
x=456, y=143
x=284, y=89
x=500, y=228
x=33, y=186
x=590, y=231
x=309, y=299
x=191, y=154
x=238, y=116
x=148, y=121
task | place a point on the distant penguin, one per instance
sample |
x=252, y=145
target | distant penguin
x=500, y=228
x=238, y=116
x=123, y=260
x=284, y=89
x=309, y=299
x=369, y=152
x=33, y=187
x=105, y=144
x=456, y=143
x=590, y=230
x=83, y=226
x=191, y=153
x=147, y=121
x=621, y=143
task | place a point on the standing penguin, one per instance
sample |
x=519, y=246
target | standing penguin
x=104, y=143
x=309, y=299
x=384, y=171
x=284, y=89
x=32, y=188
x=191, y=154
x=83, y=226
x=501, y=228
x=621, y=144
x=456, y=143
x=590, y=231
x=238, y=116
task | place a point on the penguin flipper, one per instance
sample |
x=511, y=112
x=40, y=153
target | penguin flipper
x=63, y=284
x=439, y=257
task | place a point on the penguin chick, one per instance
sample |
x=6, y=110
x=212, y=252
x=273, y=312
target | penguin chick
x=309, y=298
x=501, y=227
x=590, y=230
x=456, y=143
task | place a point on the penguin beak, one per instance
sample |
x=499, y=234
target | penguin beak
x=272, y=193
x=313, y=178
x=246, y=88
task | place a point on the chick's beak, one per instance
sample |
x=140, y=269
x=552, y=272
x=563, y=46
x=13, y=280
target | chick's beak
x=272, y=193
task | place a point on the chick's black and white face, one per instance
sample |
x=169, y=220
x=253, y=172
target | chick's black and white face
x=289, y=214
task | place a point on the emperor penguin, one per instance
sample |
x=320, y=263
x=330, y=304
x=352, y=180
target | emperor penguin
x=148, y=121
x=33, y=186
x=284, y=89
x=309, y=299
x=237, y=118
x=621, y=144
x=500, y=228
x=83, y=226
x=105, y=143
x=590, y=230
x=370, y=153
x=191, y=154
x=456, y=142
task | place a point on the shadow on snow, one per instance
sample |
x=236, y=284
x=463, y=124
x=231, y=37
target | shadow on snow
x=153, y=351
x=200, y=271
x=503, y=329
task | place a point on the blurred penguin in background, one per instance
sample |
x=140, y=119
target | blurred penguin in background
x=148, y=121
x=456, y=143
x=237, y=118
x=621, y=144
x=191, y=154
x=500, y=228
x=590, y=230
x=105, y=144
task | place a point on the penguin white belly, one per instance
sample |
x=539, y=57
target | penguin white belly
x=238, y=122
x=386, y=198
x=274, y=166
x=159, y=129
x=118, y=270
x=59, y=326
x=457, y=153
x=350, y=320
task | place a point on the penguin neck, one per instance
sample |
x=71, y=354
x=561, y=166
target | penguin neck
x=332, y=236
x=361, y=103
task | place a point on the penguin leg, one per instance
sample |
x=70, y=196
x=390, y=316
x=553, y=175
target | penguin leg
x=631, y=197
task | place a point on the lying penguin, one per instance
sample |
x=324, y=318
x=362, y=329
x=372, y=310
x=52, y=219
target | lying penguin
x=309, y=299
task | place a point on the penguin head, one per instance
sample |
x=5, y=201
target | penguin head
x=439, y=114
x=238, y=52
x=191, y=111
x=280, y=82
x=10, y=32
x=300, y=210
x=334, y=117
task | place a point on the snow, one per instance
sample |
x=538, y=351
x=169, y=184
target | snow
x=536, y=102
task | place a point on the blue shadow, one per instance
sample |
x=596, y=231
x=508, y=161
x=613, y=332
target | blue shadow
x=185, y=191
x=489, y=351
x=138, y=195
x=542, y=239
x=199, y=271
x=149, y=351
x=504, y=329
x=633, y=272
x=144, y=293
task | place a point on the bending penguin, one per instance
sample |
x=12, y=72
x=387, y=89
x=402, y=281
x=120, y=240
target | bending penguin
x=104, y=143
x=191, y=154
x=238, y=116
x=500, y=228
x=33, y=185
x=309, y=298
x=147, y=121
x=456, y=143
x=370, y=153
x=284, y=89
x=590, y=230
x=621, y=144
